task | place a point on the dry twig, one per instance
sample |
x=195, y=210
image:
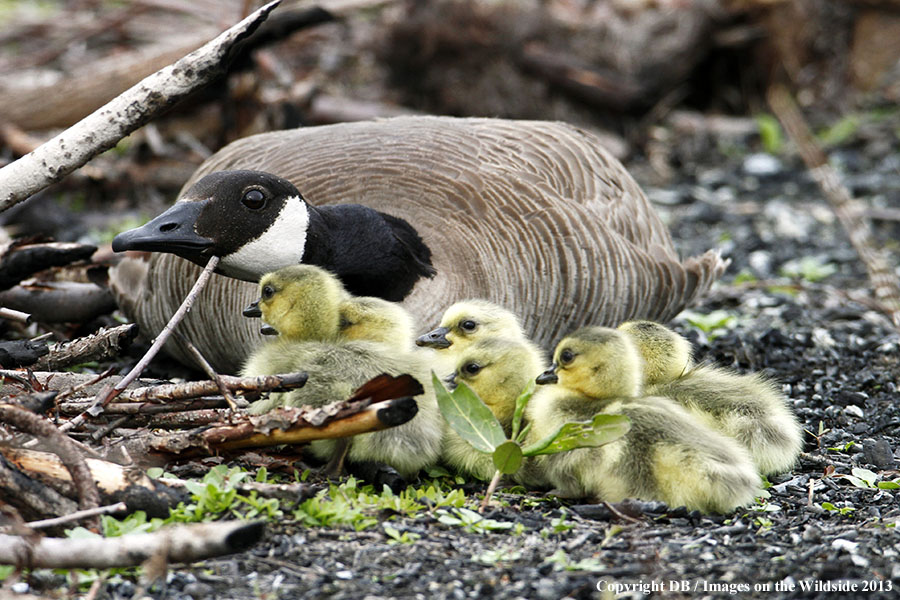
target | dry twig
x=884, y=280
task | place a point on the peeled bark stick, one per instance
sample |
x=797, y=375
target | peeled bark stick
x=15, y=315
x=195, y=389
x=382, y=415
x=172, y=407
x=80, y=514
x=178, y=544
x=211, y=373
x=104, y=344
x=102, y=129
x=881, y=274
x=53, y=439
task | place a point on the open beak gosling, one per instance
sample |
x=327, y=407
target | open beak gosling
x=436, y=338
x=548, y=376
x=450, y=381
x=252, y=310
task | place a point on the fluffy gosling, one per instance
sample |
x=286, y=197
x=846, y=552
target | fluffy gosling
x=497, y=370
x=749, y=408
x=666, y=455
x=303, y=303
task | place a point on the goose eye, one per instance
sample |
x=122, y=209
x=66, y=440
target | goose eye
x=472, y=368
x=566, y=356
x=468, y=325
x=253, y=199
x=267, y=292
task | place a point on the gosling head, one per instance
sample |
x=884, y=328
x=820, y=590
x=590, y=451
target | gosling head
x=255, y=222
x=471, y=320
x=300, y=302
x=497, y=370
x=376, y=320
x=666, y=355
x=597, y=362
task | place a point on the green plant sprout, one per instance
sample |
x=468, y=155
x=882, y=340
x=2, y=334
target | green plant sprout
x=866, y=479
x=476, y=424
x=712, y=324
x=770, y=133
x=808, y=268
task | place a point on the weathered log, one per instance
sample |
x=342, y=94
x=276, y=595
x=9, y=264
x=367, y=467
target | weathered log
x=53, y=439
x=178, y=544
x=59, y=301
x=115, y=482
x=23, y=258
x=102, y=345
x=21, y=353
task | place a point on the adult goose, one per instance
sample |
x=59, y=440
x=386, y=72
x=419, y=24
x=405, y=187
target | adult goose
x=536, y=216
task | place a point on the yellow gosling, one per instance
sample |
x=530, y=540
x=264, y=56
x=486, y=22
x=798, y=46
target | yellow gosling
x=667, y=455
x=749, y=408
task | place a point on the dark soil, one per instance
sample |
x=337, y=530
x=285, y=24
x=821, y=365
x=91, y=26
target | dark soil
x=817, y=535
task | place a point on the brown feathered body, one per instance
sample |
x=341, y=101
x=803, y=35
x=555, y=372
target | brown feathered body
x=536, y=216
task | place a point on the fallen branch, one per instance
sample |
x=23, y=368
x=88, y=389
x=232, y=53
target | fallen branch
x=195, y=389
x=23, y=258
x=77, y=515
x=105, y=396
x=21, y=353
x=59, y=301
x=116, y=482
x=102, y=129
x=32, y=498
x=179, y=544
x=54, y=440
x=104, y=344
x=884, y=281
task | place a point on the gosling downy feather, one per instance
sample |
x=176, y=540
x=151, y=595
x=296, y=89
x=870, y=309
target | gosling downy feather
x=666, y=455
x=304, y=303
x=522, y=213
x=749, y=408
x=497, y=370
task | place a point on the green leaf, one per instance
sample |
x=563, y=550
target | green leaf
x=469, y=416
x=769, y=133
x=888, y=485
x=865, y=474
x=856, y=481
x=521, y=401
x=508, y=457
x=602, y=429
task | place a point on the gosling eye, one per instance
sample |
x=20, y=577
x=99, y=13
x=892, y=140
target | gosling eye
x=472, y=368
x=267, y=292
x=566, y=356
x=254, y=199
x=468, y=325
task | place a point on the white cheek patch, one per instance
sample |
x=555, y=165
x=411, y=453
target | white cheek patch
x=279, y=246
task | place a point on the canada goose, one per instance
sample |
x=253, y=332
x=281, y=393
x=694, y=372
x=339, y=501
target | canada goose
x=666, y=455
x=498, y=370
x=302, y=303
x=518, y=212
x=748, y=408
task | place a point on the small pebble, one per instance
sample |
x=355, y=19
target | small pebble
x=880, y=454
x=762, y=165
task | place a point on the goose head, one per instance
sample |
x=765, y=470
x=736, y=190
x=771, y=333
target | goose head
x=597, y=362
x=300, y=302
x=376, y=320
x=257, y=223
x=497, y=370
x=254, y=221
x=666, y=355
x=469, y=321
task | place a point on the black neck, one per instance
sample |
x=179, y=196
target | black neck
x=374, y=254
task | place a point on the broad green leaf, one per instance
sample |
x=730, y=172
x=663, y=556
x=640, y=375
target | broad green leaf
x=602, y=429
x=888, y=485
x=865, y=474
x=469, y=416
x=521, y=401
x=856, y=481
x=508, y=457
